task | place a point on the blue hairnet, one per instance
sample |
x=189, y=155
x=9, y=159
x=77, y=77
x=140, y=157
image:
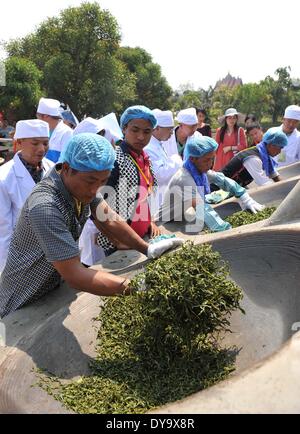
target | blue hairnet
x=88, y=152
x=138, y=112
x=275, y=136
x=197, y=146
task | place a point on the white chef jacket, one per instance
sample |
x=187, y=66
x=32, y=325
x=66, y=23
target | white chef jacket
x=170, y=146
x=16, y=185
x=291, y=153
x=164, y=167
x=58, y=140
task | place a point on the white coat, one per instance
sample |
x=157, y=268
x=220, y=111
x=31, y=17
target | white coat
x=16, y=185
x=90, y=252
x=58, y=140
x=170, y=146
x=164, y=166
x=291, y=153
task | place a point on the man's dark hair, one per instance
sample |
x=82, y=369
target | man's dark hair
x=253, y=126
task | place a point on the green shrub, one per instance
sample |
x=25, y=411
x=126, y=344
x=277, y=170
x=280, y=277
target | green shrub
x=242, y=218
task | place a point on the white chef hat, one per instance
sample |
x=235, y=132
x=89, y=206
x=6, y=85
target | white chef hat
x=164, y=118
x=110, y=124
x=50, y=107
x=188, y=116
x=292, y=112
x=88, y=125
x=31, y=128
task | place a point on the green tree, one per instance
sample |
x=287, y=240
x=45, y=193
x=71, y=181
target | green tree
x=190, y=98
x=206, y=97
x=186, y=96
x=254, y=98
x=22, y=91
x=76, y=51
x=280, y=91
x=152, y=88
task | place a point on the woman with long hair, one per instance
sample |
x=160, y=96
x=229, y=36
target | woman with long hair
x=230, y=137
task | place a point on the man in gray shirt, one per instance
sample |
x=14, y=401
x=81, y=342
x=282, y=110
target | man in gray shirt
x=44, y=246
x=185, y=197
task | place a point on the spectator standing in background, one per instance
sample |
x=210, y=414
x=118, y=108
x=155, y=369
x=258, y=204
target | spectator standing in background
x=254, y=133
x=203, y=128
x=230, y=137
x=250, y=119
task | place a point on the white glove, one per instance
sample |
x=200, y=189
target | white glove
x=190, y=214
x=155, y=250
x=246, y=202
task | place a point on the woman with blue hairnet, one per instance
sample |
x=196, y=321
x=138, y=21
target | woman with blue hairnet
x=44, y=246
x=257, y=163
x=132, y=182
x=185, y=197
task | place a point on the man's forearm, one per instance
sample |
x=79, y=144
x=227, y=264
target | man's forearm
x=122, y=232
x=117, y=229
x=91, y=281
x=101, y=283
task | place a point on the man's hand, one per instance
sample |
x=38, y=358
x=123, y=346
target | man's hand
x=154, y=230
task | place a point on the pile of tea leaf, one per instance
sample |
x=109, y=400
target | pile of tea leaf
x=159, y=345
x=242, y=218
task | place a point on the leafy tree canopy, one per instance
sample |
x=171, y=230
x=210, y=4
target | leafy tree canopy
x=152, y=88
x=22, y=90
x=76, y=52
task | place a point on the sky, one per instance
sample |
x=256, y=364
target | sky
x=195, y=42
